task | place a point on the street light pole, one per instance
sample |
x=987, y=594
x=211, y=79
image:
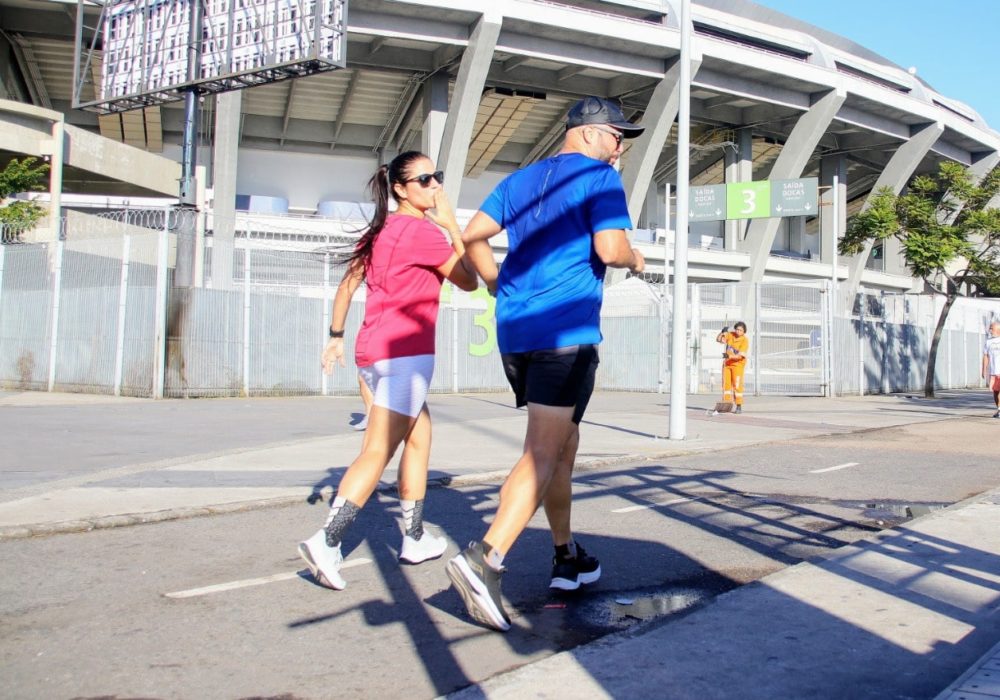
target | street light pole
x=678, y=359
x=188, y=197
x=835, y=211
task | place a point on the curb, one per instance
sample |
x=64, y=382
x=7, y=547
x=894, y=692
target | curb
x=976, y=680
x=106, y=522
x=12, y=532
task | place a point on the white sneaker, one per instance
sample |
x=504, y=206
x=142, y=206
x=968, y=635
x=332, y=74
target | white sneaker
x=361, y=424
x=324, y=561
x=427, y=547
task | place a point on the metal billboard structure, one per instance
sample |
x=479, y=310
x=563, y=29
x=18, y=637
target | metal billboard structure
x=141, y=52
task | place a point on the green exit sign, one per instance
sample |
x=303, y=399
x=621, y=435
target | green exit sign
x=748, y=200
x=754, y=200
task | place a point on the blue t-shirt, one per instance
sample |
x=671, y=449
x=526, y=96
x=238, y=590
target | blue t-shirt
x=551, y=283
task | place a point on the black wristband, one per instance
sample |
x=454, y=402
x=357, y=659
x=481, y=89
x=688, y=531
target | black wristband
x=336, y=334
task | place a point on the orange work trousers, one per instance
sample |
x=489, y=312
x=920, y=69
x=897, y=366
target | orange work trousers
x=732, y=382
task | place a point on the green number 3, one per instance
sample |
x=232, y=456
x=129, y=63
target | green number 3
x=484, y=320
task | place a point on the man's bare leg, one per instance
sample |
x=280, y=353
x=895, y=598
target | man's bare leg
x=559, y=496
x=475, y=572
x=549, y=429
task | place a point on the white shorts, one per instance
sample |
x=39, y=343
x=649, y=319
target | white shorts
x=400, y=383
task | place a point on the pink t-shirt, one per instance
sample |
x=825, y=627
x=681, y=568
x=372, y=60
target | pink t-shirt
x=404, y=288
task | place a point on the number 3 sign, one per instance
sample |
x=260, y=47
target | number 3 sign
x=748, y=200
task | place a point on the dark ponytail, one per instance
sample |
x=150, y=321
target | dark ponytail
x=380, y=187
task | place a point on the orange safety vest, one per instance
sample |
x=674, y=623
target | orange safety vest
x=736, y=344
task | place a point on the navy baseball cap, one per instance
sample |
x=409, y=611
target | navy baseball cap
x=597, y=110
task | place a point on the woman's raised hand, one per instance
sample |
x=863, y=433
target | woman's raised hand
x=442, y=214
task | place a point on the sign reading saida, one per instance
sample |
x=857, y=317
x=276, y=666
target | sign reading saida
x=707, y=203
x=794, y=197
x=754, y=200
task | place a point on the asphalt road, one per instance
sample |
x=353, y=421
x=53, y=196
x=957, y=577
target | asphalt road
x=130, y=612
x=47, y=441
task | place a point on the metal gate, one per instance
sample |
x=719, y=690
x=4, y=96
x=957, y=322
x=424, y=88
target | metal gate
x=787, y=326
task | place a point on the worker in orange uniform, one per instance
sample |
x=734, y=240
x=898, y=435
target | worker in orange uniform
x=734, y=363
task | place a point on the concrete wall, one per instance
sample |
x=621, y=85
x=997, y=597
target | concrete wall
x=305, y=179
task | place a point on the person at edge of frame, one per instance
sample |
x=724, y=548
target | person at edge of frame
x=566, y=218
x=366, y=399
x=403, y=258
x=734, y=363
x=991, y=364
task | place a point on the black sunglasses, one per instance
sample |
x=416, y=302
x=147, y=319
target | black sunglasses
x=425, y=179
x=617, y=134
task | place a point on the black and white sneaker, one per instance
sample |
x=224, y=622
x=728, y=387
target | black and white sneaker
x=570, y=574
x=479, y=586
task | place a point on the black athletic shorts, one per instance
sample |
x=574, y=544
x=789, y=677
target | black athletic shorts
x=556, y=377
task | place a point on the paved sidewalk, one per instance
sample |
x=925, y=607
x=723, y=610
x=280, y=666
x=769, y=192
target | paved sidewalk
x=893, y=604
x=981, y=681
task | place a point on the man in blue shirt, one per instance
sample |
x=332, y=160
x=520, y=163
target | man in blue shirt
x=565, y=219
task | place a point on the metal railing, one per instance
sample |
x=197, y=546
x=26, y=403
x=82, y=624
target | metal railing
x=100, y=312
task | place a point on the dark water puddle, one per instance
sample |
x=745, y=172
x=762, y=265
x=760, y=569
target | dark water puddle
x=576, y=617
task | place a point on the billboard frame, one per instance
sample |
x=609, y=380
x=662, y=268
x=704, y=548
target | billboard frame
x=315, y=45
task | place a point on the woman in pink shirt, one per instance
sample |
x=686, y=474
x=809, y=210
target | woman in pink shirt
x=403, y=257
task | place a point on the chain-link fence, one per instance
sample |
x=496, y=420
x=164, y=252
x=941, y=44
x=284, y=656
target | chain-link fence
x=107, y=311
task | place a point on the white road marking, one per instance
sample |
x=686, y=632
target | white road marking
x=629, y=509
x=833, y=469
x=248, y=582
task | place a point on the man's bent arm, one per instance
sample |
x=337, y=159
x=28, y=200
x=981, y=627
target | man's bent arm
x=476, y=237
x=612, y=247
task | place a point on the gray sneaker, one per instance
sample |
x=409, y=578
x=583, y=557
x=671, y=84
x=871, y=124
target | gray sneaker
x=479, y=586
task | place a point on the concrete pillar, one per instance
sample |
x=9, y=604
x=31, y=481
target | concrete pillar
x=799, y=147
x=225, y=159
x=980, y=168
x=895, y=175
x=983, y=165
x=56, y=178
x=739, y=168
x=201, y=210
x=435, y=103
x=637, y=170
x=654, y=213
x=386, y=154
x=830, y=231
x=465, y=101
x=659, y=117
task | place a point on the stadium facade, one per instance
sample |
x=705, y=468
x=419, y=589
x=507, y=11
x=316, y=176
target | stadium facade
x=485, y=87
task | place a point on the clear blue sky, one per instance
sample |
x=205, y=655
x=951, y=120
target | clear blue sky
x=954, y=44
